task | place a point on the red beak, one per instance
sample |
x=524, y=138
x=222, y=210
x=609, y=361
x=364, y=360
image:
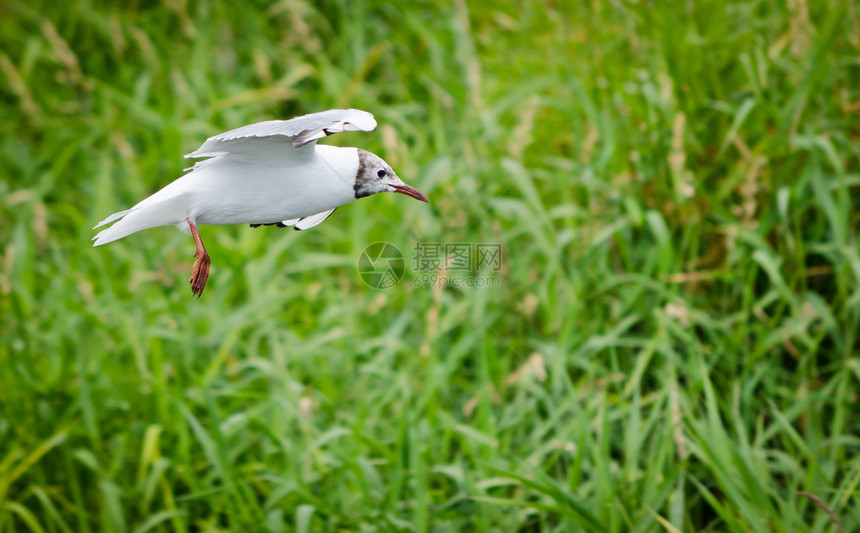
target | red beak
x=410, y=191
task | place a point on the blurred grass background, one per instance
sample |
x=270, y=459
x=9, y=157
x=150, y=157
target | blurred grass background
x=673, y=345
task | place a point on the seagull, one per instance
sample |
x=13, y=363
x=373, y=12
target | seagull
x=268, y=173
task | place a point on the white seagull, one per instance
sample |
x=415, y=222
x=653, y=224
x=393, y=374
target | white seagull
x=271, y=172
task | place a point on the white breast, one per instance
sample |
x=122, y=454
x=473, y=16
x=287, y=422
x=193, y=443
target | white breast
x=271, y=189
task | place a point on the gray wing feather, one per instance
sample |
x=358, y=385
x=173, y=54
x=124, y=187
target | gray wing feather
x=299, y=131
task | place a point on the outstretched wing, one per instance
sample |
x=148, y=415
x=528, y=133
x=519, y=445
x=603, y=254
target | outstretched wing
x=299, y=131
x=300, y=223
x=309, y=221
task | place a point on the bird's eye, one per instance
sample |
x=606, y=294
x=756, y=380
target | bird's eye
x=381, y=172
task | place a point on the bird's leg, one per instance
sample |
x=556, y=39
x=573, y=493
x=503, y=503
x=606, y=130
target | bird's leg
x=200, y=272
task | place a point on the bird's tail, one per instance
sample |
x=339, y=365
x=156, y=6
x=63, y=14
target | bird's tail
x=150, y=213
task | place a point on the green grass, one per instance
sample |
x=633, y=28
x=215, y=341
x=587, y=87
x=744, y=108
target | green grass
x=672, y=345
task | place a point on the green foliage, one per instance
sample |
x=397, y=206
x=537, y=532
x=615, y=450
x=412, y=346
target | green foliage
x=672, y=345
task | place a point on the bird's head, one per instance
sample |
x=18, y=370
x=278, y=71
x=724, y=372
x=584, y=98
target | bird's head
x=374, y=175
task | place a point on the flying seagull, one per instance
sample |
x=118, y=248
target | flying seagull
x=269, y=173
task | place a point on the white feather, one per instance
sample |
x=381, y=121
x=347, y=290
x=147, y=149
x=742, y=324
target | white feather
x=313, y=220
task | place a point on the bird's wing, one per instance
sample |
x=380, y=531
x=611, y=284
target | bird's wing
x=308, y=221
x=299, y=131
